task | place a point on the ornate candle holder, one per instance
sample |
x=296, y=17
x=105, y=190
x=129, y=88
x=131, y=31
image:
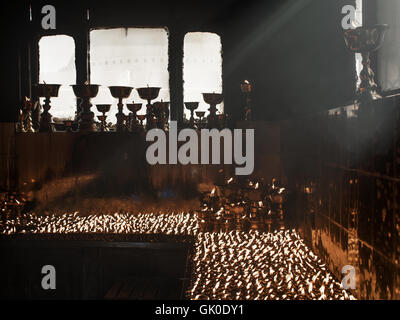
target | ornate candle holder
x=191, y=106
x=28, y=108
x=213, y=99
x=165, y=114
x=149, y=94
x=245, y=87
x=86, y=118
x=365, y=40
x=44, y=90
x=200, y=115
x=162, y=114
x=133, y=122
x=126, y=121
x=20, y=125
x=103, y=124
x=103, y=108
x=141, y=118
x=120, y=93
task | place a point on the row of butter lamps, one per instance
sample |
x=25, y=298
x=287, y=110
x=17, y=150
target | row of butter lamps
x=88, y=91
x=362, y=40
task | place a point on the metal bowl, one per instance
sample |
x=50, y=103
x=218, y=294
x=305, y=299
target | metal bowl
x=85, y=90
x=148, y=93
x=134, y=107
x=47, y=90
x=191, y=106
x=365, y=39
x=103, y=108
x=120, y=91
x=213, y=98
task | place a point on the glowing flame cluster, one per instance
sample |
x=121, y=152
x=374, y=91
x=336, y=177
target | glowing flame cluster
x=149, y=223
x=233, y=265
x=260, y=266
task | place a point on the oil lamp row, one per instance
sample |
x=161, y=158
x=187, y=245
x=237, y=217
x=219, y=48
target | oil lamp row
x=260, y=266
x=225, y=265
x=156, y=116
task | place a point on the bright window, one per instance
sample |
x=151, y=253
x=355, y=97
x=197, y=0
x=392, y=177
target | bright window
x=202, y=68
x=57, y=65
x=135, y=57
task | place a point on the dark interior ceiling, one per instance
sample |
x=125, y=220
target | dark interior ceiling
x=293, y=50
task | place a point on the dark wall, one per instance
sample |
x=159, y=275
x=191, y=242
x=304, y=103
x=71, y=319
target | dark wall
x=344, y=169
x=292, y=50
x=95, y=268
x=11, y=33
